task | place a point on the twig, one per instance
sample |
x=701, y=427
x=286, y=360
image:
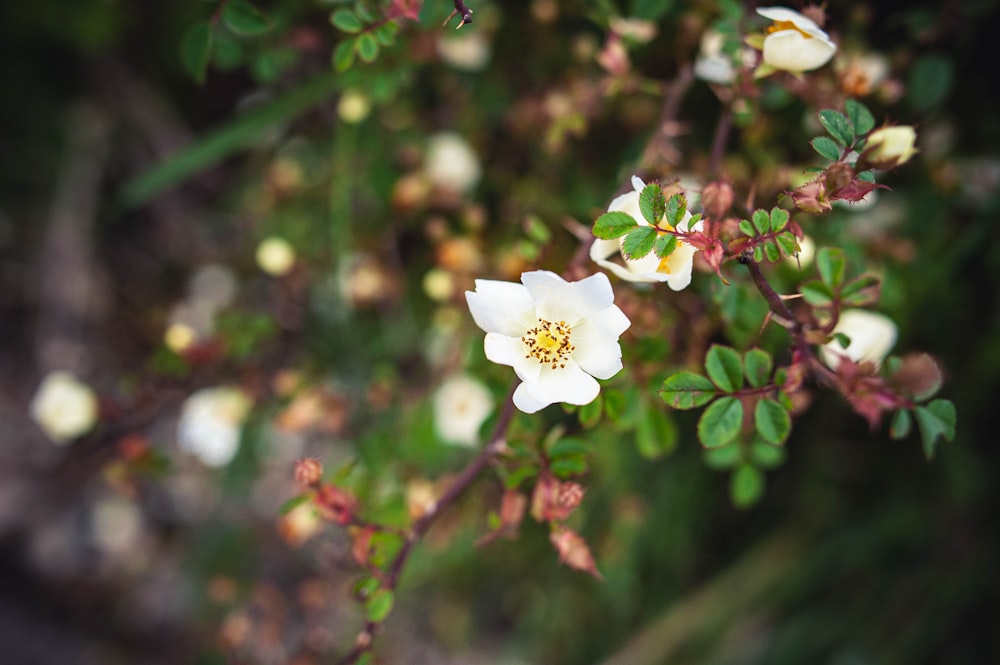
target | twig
x=465, y=478
x=722, y=130
x=460, y=10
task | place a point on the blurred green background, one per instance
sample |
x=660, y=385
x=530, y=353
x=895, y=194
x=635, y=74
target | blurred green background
x=120, y=177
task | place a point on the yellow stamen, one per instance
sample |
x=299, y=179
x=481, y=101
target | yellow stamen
x=549, y=343
x=786, y=25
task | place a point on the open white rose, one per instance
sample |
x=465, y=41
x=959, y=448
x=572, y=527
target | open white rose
x=64, y=407
x=558, y=336
x=674, y=269
x=872, y=336
x=794, y=43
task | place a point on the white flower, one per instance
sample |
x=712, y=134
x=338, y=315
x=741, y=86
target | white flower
x=558, y=336
x=794, y=43
x=461, y=404
x=675, y=269
x=210, y=423
x=354, y=106
x=712, y=64
x=872, y=336
x=451, y=163
x=64, y=407
x=467, y=50
x=890, y=146
x=275, y=256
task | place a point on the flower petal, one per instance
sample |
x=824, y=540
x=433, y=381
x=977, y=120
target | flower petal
x=501, y=349
x=569, y=384
x=602, y=249
x=501, y=307
x=526, y=400
x=628, y=275
x=558, y=300
x=790, y=51
x=596, y=340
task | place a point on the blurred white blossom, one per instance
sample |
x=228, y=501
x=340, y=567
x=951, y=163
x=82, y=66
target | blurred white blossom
x=210, y=423
x=451, y=163
x=461, y=404
x=64, y=407
x=468, y=50
x=275, y=256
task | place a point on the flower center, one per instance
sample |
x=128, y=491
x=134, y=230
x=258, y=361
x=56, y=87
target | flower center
x=549, y=343
x=787, y=25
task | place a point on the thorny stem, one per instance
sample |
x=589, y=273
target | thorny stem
x=465, y=478
x=779, y=308
x=773, y=299
x=462, y=11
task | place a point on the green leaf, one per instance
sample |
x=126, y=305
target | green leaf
x=758, y=254
x=721, y=422
x=569, y=466
x=901, y=424
x=364, y=12
x=652, y=203
x=761, y=221
x=687, y=390
x=365, y=587
x=936, y=420
x=379, y=604
x=615, y=404
x=244, y=19
x=772, y=421
x=292, y=504
x=590, y=414
x=196, y=49
x=343, y=55
x=771, y=250
x=367, y=47
x=345, y=20
x=788, y=243
x=746, y=486
x=837, y=125
x=860, y=117
x=639, y=242
x=613, y=225
x=765, y=455
x=519, y=475
x=866, y=176
x=861, y=291
x=831, y=264
x=676, y=208
x=386, y=33
x=723, y=457
x=816, y=293
x=930, y=81
x=826, y=148
x=567, y=446
x=656, y=435
x=747, y=228
x=757, y=365
x=779, y=218
x=724, y=367
x=665, y=244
